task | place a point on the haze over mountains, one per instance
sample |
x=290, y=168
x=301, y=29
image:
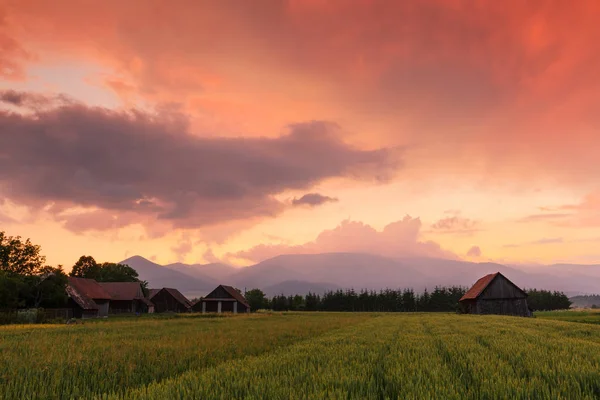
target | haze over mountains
x=301, y=273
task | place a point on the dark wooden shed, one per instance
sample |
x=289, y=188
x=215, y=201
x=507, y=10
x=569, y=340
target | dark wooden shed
x=495, y=294
x=169, y=300
x=222, y=299
x=87, y=298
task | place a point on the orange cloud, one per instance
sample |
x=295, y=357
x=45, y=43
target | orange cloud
x=397, y=239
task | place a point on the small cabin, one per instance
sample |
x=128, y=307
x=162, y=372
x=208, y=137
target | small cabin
x=495, y=294
x=87, y=298
x=169, y=300
x=222, y=299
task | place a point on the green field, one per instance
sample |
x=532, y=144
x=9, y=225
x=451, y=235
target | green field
x=303, y=356
x=581, y=316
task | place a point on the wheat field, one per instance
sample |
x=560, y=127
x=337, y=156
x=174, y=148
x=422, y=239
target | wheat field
x=304, y=356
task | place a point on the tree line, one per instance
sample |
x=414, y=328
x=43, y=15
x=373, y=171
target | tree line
x=26, y=281
x=441, y=299
x=545, y=300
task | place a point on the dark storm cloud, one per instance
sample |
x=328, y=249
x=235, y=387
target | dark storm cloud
x=150, y=165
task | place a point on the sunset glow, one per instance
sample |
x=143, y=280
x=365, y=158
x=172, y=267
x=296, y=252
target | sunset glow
x=198, y=131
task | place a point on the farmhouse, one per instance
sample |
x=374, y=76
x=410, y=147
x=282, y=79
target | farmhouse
x=169, y=300
x=87, y=298
x=127, y=297
x=223, y=299
x=495, y=294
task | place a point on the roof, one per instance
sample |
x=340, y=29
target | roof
x=123, y=290
x=89, y=288
x=482, y=284
x=176, y=294
x=235, y=294
x=81, y=299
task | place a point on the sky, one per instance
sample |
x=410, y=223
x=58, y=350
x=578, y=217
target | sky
x=227, y=131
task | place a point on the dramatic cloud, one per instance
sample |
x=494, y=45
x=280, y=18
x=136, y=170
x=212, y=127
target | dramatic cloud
x=474, y=251
x=493, y=99
x=149, y=166
x=490, y=90
x=398, y=239
x=313, y=199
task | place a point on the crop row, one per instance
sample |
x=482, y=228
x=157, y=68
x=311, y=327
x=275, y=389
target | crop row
x=81, y=361
x=410, y=357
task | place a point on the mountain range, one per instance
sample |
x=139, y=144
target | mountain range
x=301, y=273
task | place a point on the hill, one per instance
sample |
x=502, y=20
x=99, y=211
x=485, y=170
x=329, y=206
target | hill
x=215, y=272
x=585, y=301
x=300, y=273
x=159, y=276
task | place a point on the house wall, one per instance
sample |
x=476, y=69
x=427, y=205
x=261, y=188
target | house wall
x=219, y=293
x=103, y=306
x=122, y=306
x=211, y=306
x=78, y=312
x=500, y=307
x=500, y=288
x=164, y=302
x=226, y=306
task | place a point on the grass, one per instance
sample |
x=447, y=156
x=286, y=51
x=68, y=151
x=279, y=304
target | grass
x=304, y=356
x=579, y=315
x=111, y=356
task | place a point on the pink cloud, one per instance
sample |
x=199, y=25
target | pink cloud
x=133, y=166
x=455, y=224
x=397, y=239
x=485, y=90
x=474, y=251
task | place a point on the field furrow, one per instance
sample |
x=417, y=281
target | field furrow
x=306, y=356
x=61, y=362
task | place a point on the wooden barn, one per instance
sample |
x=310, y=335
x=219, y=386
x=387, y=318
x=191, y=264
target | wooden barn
x=495, y=294
x=87, y=298
x=127, y=297
x=169, y=300
x=222, y=299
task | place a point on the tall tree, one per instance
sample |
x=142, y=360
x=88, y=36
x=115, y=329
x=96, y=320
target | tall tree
x=49, y=290
x=256, y=299
x=19, y=257
x=86, y=267
x=112, y=272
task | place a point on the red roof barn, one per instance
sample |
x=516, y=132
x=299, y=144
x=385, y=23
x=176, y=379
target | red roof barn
x=87, y=298
x=127, y=297
x=495, y=294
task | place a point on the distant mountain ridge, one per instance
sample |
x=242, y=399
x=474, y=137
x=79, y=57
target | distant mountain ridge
x=300, y=273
